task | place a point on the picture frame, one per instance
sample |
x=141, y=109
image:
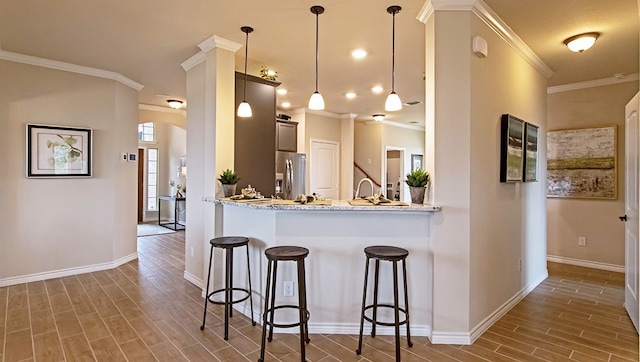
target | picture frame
x=416, y=162
x=511, y=149
x=58, y=151
x=530, y=171
x=582, y=163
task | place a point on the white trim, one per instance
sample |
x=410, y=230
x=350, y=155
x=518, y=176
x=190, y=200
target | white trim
x=323, y=113
x=466, y=338
x=593, y=83
x=151, y=107
x=67, y=272
x=68, y=67
x=205, y=46
x=586, y=263
x=402, y=125
x=215, y=41
x=193, y=61
x=494, y=22
x=505, y=308
x=194, y=280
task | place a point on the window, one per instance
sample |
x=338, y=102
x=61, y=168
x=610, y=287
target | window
x=145, y=132
x=152, y=179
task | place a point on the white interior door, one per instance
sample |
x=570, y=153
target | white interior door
x=324, y=174
x=632, y=223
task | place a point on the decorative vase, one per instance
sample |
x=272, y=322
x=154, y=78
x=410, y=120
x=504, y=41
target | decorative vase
x=417, y=194
x=229, y=189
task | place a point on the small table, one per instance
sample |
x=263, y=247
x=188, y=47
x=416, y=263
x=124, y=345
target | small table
x=176, y=200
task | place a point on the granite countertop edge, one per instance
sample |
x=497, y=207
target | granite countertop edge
x=336, y=205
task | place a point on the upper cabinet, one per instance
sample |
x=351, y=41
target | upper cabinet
x=255, y=137
x=287, y=136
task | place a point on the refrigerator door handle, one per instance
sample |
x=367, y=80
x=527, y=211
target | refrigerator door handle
x=288, y=175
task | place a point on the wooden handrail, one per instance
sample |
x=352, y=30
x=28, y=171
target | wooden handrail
x=367, y=175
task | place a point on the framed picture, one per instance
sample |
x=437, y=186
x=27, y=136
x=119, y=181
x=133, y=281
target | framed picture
x=511, y=152
x=531, y=153
x=581, y=163
x=55, y=151
x=416, y=162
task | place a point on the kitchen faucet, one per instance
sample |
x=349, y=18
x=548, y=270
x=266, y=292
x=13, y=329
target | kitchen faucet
x=357, y=195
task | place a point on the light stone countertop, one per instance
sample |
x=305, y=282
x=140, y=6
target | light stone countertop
x=335, y=205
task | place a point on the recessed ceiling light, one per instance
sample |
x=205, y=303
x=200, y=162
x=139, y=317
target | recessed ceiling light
x=281, y=91
x=285, y=104
x=377, y=89
x=359, y=53
x=350, y=95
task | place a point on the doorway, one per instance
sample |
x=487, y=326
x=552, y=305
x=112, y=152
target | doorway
x=324, y=168
x=141, y=163
x=394, y=169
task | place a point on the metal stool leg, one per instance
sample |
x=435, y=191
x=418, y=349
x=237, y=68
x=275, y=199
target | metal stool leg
x=273, y=299
x=406, y=301
x=264, y=315
x=302, y=308
x=253, y=322
x=375, y=298
x=206, y=296
x=364, y=302
x=396, y=310
x=227, y=291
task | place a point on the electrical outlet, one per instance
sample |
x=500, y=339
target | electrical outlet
x=582, y=241
x=288, y=289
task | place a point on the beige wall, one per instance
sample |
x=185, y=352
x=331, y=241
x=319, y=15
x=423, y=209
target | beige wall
x=597, y=220
x=367, y=151
x=61, y=226
x=486, y=227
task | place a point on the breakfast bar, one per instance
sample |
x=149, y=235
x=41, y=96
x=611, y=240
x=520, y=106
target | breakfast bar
x=336, y=233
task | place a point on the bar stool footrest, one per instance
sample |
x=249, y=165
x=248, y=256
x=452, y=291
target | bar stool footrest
x=388, y=324
x=242, y=299
x=279, y=325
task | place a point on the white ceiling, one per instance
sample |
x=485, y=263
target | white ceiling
x=147, y=41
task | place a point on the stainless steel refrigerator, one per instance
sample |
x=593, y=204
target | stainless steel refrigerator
x=290, y=174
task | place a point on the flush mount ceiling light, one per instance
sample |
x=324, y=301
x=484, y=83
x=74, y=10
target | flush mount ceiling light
x=581, y=42
x=378, y=117
x=174, y=103
x=393, y=102
x=316, y=101
x=244, y=109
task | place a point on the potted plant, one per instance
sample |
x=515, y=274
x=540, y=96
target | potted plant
x=417, y=180
x=229, y=180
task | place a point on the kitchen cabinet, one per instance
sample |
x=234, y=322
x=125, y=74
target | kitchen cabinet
x=286, y=136
x=255, y=136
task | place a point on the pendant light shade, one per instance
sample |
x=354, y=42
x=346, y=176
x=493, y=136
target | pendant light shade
x=244, y=109
x=316, y=102
x=393, y=102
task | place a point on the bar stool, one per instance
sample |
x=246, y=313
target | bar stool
x=392, y=254
x=285, y=253
x=228, y=243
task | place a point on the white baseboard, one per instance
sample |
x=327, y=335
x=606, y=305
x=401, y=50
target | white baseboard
x=467, y=338
x=67, y=272
x=194, y=280
x=586, y=263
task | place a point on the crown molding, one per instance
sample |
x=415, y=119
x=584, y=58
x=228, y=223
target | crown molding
x=68, y=67
x=593, y=83
x=207, y=45
x=151, y=107
x=489, y=17
x=402, y=125
x=323, y=113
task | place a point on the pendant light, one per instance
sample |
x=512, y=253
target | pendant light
x=244, y=109
x=316, y=101
x=393, y=102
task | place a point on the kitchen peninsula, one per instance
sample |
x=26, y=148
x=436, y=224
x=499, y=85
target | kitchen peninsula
x=336, y=234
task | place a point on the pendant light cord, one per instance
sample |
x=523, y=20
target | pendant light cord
x=317, y=52
x=246, y=54
x=393, y=54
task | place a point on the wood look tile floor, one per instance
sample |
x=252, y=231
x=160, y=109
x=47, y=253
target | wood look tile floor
x=145, y=311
